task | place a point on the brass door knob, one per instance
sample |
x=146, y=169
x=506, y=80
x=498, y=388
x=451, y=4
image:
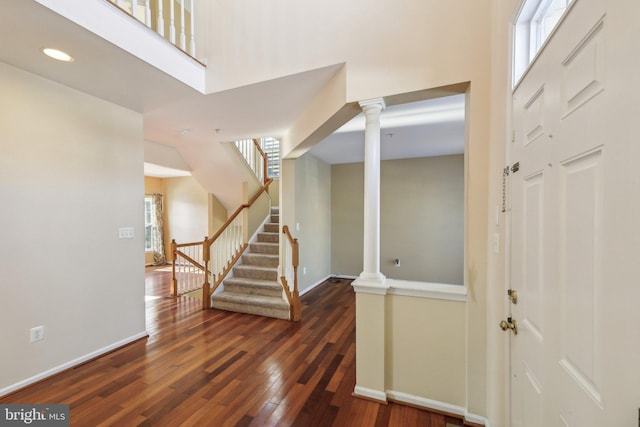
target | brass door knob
x=509, y=324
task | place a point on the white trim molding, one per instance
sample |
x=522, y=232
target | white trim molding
x=369, y=393
x=72, y=363
x=425, y=403
x=314, y=285
x=427, y=290
x=411, y=289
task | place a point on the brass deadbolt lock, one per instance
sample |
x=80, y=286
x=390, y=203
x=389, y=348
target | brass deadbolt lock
x=509, y=324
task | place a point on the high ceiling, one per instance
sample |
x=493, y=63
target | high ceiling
x=419, y=129
x=104, y=70
x=179, y=116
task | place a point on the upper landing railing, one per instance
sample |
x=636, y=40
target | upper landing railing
x=172, y=19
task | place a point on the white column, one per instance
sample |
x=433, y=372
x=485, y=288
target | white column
x=370, y=286
x=371, y=261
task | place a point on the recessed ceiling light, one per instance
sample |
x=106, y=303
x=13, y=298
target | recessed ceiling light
x=185, y=132
x=57, y=54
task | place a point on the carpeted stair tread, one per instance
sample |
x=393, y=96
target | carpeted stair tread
x=253, y=286
x=262, y=300
x=265, y=248
x=268, y=237
x=264, y=260
x=255, y=272
x=251, y=304
x=272, y=227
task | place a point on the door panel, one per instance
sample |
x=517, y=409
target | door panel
x=575, y=215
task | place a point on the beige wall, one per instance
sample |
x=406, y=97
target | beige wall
x=421, y=218
x=186, y=210
x=426, y=352
x=274, y=192
x=189, y=212
x=72, y=172
x=422, y=44
x=153, y=185
x=257, y=214
x=313, y=214
x=217, y=215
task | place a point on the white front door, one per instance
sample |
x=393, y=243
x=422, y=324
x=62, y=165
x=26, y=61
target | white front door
x=575, y=212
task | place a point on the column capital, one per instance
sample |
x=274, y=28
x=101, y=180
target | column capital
x=368, y=104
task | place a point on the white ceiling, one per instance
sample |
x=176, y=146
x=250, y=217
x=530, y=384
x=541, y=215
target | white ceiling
x=419, y=129
x=158, y=171
x=169, y=106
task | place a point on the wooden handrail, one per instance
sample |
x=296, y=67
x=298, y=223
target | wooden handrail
x=295, y=309
x=264, y=160
x=237, y=212
x=209, y=288
x=192, y=261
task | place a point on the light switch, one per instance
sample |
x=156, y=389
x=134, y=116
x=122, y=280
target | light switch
x=125, y=233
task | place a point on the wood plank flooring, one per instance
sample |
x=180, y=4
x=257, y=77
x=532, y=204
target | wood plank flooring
x=216, y=368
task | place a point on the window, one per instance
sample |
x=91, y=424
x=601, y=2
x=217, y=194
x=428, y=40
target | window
x=271, y=147
x=536, y=21
x=149, y=219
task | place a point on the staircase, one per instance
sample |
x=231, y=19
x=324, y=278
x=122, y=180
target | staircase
x=254, y=287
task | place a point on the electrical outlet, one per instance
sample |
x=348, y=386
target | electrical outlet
x=37, y=333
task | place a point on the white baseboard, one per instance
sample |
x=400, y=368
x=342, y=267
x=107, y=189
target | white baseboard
x=472, y=418
x=423, y=402
x=75, y=362
x=370, y=393
x=324, y=279
x=310, y=288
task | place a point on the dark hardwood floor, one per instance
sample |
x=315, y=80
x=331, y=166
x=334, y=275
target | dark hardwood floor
x=216, y=368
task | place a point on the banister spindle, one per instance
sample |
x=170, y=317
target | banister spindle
x=172, y=25
x=192, y=49
x=183, y=37
x=147, y=13
x=160, y=18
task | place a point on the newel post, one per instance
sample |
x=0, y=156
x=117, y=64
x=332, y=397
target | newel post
x=174, y=281
x=206, y=287
x=296, y=312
